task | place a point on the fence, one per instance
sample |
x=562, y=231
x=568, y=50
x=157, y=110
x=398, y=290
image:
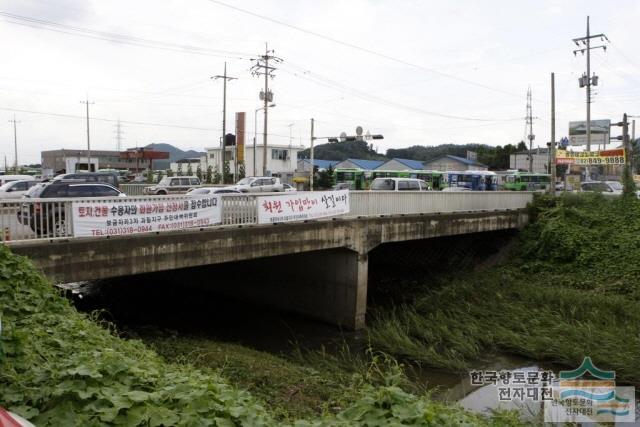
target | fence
x=50, y=219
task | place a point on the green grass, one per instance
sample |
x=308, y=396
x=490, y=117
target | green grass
x=59, y=367
x=573, y=290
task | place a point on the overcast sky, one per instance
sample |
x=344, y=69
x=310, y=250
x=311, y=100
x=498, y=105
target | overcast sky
x=418, y=72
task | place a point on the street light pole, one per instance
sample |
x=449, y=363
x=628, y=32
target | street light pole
x=255, y=135
x=312, y=165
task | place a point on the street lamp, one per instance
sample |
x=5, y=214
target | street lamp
x=255, y=134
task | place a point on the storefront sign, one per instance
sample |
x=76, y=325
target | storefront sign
x=302, y=206
x=122, y=217
x=590, y=158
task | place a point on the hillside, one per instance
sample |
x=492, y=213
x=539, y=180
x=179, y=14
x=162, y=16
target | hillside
x=175, y=154
x=342, y=151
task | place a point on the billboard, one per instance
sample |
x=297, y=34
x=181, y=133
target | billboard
x=240, y=136
x=591, y=158
x=599, y=132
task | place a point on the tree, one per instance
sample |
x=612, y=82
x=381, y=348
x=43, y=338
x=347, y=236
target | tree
x=160, y=175
x=149, y=176
x=241, y=171
x=216, y=175
x=325, y=178
x=189, y=169
x=169, y=172
x=226, y=172
x=179, y=169
x=209, y=175
x=199, y=172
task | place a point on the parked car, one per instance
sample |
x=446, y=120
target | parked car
x=212, y=190
x=398, y=184
x=50, y=218
x=608, y=188
x=253, y=184
x=8, y=178
x=173, y=185
x=15, y=189
x=289, y=188
x=110, y=178
x=342, y=186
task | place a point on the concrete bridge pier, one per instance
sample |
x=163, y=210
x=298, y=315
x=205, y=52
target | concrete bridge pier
x=329, y=285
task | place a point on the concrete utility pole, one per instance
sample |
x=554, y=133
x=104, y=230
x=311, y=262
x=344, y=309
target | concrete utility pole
x=255, y=136
x=530, y=123
x=225, y=78
x=15, y=145
x=119, y=133
x=587, y=80
x=262, y=68
x=312, y=164
x=552, y=146
x=88, y=138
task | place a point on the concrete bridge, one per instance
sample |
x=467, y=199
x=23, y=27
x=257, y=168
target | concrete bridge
x=328, y=279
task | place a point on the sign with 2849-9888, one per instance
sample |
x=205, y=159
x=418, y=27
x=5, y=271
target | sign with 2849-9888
x=122, y=217
x=591, y=158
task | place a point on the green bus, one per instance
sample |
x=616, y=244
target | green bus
x=351, y=178
x=525, y=181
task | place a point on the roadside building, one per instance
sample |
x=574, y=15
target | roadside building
x=396, y=164
x=282, y=160
x=66, y=161
x=304, y=165
x=449, y=162
x=520, y=160
x=359, y=164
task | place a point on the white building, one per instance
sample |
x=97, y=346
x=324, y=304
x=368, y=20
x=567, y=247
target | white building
x=520, y=161
x=282, y=160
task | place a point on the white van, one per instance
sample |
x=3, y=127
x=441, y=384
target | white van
x=8, y=178
x=398, y=184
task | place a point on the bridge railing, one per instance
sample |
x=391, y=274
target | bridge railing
x=375, y=203
x=50, y=219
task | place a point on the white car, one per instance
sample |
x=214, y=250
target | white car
x=254, y=184
x=607, y=188
x=399, y=184
x=212, y=190
x=16, y=189
x=288, y=187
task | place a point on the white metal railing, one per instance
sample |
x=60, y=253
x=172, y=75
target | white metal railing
x=49, y=219
x=133, y=189
x=368, y=203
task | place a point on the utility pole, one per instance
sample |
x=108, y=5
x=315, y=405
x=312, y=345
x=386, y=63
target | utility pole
x=15, y=145
x=530, y=123
x=552, y=147
x=225, y=78
x=312, y=165
x=262, y=68
x=587, y=80
x=633, y=141
x=88, y=138
x=119, y=134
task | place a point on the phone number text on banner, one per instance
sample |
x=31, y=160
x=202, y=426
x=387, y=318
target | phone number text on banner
x=604, y=157
x=116, y=218
x=302, y=206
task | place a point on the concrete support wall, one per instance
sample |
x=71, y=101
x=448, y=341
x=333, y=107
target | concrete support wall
x=329, y=285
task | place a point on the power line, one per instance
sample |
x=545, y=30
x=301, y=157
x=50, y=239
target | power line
x=363, y=49
x=116, y=37
x=323, y=81
x=72, y=116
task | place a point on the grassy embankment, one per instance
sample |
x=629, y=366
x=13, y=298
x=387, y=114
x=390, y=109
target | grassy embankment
x=572, y=290
x=61, y=367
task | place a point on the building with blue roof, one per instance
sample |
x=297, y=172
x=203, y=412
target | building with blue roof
x=304, y=165
x=396, y=164
x=449, y=162
x=360, y=164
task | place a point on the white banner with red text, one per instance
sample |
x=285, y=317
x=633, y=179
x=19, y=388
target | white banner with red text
x=302, y=206
x=96, y=218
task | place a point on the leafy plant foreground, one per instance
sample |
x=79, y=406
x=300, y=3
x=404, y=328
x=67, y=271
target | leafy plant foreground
x=61, y=368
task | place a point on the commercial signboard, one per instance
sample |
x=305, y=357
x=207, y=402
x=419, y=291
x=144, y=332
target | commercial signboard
x=591, y=158
x=600, y=131
x=302, y=206
x=122, y=217
x=240, y=135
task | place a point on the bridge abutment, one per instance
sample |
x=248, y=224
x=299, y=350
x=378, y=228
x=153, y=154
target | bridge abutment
x=329, y=285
